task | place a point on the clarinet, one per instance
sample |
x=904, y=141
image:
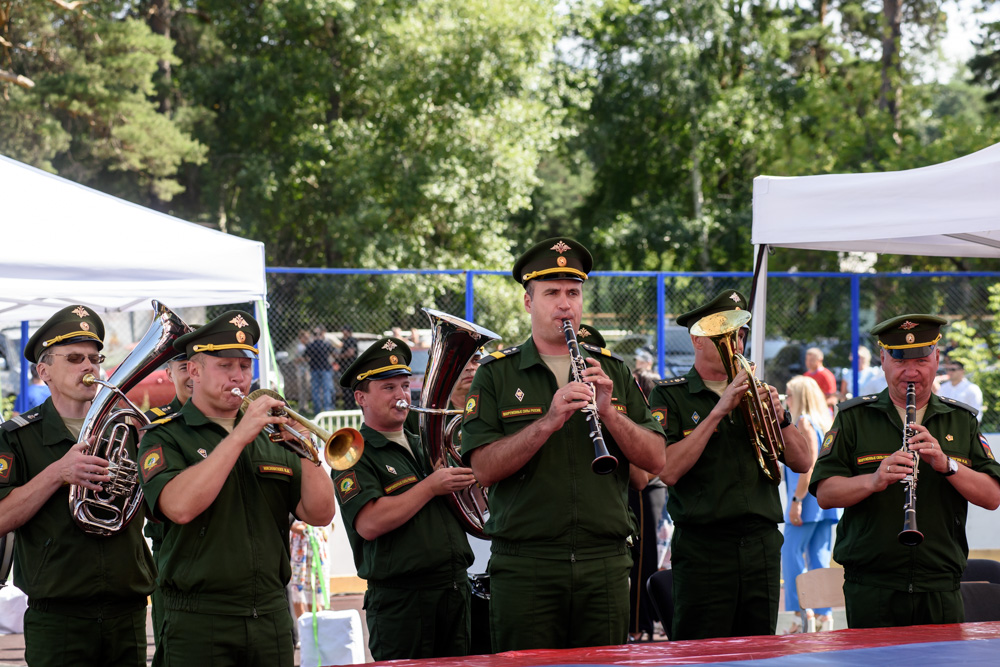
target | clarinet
x=603, y=463
x=910, y=536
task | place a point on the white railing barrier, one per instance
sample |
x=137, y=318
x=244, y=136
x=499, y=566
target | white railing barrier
x=333, y=420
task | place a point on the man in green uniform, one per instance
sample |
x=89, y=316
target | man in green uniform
x=560, y=532
x=178, y=374
x=406, y=542
x=726, y=547
x=885, y=582
x=224, y=491
x=86, y=593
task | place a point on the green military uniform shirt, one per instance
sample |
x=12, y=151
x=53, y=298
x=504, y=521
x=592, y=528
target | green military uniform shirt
x=431, y=549
x=866, y=430
x=726, y=484
x=154, y=529
x=233, y=558
x=79, y=574
x=555, y=506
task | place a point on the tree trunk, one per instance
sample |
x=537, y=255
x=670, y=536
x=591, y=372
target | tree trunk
x=891, y=91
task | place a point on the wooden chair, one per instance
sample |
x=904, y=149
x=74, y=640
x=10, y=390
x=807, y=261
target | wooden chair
x=823, y=587
x=982, y=569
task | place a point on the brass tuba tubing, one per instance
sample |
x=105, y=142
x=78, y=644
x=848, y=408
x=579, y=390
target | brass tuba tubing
x=341, y=449
x=760, y=416
x=910, y=536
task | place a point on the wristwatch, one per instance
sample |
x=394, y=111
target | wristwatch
x=796, y=500
x=787, y=421
x=952, y=467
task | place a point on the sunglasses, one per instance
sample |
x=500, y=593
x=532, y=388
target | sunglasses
x=77, y=357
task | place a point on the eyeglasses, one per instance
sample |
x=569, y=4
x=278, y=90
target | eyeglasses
x=77, y=357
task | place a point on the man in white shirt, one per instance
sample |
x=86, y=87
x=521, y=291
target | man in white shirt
x=959, y=388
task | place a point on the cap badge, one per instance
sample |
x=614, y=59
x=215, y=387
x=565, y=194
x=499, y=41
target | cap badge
x=80, y=311
x=582, y=333
x=240, y=336
x=560, y=247
x=907, y=325
x=84, y=326
x=389, y=345
x=239, y=322
x=735, y=297
x=910, y=338
x=561, y=261
x=519, y=395
x=393, y=359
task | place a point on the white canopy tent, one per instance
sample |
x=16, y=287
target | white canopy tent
x=948, y=209
x=63, y=243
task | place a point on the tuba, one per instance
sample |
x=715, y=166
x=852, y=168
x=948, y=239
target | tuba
x=115, y=430
x=761, y=420
x=454, y=341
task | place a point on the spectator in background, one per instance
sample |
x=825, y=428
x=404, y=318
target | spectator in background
x=38, y=391
x=302, y=370
x=643, y=373
x=319, y=355
x=808, y=529
x=958, y=387
x=868, y=376
x=348, y=353
x=824, y=377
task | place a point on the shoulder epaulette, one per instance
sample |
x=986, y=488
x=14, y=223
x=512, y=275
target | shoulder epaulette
x=156, y=413
x=669, y=382
x=160, y=421
x=959, y=404
x=603, y=351
x=500, y=354
x=17, y=422
x=856, y=401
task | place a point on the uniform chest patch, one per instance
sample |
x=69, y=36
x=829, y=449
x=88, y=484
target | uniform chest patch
x=6, y=463
x=520, y=412
x=986, y=446
x=347, y=486
x=828, y=441
x=400, y=483
x=871, y=458
x=275, y=469
x=152, y=463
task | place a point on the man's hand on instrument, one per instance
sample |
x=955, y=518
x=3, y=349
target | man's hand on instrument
x=893, y=468
x=733, y=393
x=928, y=447
x=86, y=470
x=604, y=384
x=768, y=393
x=567, y=400
x=257, y=416
x=450, y=480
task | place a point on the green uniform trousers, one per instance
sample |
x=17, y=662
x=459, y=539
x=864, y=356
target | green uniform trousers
x=545, y=603
x=725, y=585
x=418, y=623
x=156, y=604
x=871, y=607
x=216, y=640
x=57, y=640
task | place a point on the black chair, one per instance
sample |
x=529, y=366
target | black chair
x=981, y=601
x=982, y=569
x=660, y=587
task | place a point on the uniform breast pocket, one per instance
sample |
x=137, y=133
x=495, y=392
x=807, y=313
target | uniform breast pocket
x=516, y=417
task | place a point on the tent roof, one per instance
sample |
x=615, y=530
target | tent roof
x=63, y=243
x=947, y=209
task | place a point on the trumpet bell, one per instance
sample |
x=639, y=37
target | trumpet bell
x=344, y=448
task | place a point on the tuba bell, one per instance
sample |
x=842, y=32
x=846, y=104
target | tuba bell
x=760, y=417
x=116, y=429
x=454, y=341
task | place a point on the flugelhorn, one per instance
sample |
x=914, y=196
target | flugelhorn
x=760, y=416
x=910, y=536
x=341, y=449
x=604, y=462
x=115, y=431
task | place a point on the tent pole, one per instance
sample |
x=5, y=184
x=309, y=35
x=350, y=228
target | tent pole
x=759, y=309
x=264, y=358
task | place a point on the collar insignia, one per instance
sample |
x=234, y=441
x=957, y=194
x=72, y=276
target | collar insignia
x=239, y=322
x=560, y=247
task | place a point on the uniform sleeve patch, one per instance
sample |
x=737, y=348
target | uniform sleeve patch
x=871, y=458
x=520, y=412
x=964, y=461
x=6, y=463
x=986, y=446
x=828, y=441
x=472, y=407
x=400, y=483
x=347, y=486
x=152, y=463
x=660, y=415
x=275, y=469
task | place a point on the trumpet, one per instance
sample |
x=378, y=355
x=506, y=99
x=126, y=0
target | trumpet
x=341, y=449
